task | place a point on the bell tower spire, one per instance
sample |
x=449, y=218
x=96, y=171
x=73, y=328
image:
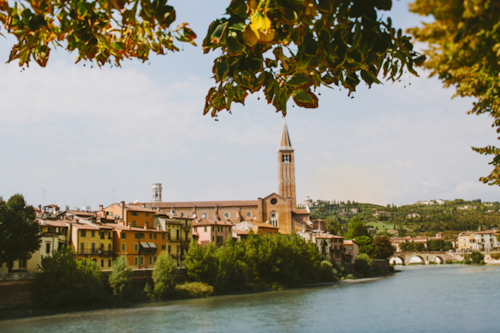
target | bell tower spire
x=286, y=167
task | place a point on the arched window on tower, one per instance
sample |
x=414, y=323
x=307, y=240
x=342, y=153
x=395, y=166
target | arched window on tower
x=273, y=219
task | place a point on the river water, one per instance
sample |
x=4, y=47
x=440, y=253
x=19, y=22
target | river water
x=449, y=298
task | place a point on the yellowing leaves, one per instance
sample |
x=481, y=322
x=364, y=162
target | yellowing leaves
x=259, y=22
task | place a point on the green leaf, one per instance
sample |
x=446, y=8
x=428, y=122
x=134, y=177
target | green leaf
x=306, y=99
x=218, y=33
x=299, y=80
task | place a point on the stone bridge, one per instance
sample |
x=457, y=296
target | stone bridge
x=426, y=258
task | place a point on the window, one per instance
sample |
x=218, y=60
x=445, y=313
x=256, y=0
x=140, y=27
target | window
x=150, y=236
x=102, y=235
x=147, y=214
x=213, y=228
x=133, y=223
x=123, y=235
x=123, y=247
x=154, y=236
x=102, y=262
x=162, y=236
x=93, y=233
x=169, y=249
x=229, y=229
x=134, y=213
x=213, y=239
x=227, y=215
x=273, y=217
x=82, y=249
x=274, y=201
x=204, y=216
x=205, y=228
x=83, y=233
x=177, y=234
x=154, y=260
x=249, y=214
x=135, y=261
x=47, y=248
x=150, y=260
x=136, y=247
x=163, y=247
x=142, y=260
x=109, y=262
x=93, y=248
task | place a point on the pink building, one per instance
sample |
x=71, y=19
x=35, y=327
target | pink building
x=212, y=231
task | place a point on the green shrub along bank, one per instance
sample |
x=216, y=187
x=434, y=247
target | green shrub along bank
x=64, y=282
x=259, y=263
x=475, y=258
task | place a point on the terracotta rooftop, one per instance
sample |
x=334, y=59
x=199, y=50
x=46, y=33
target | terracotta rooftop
x=299, y=211
x=138, y=208
x=202, y=204
x=211, y=222
x=80, y=213
x=51, y=223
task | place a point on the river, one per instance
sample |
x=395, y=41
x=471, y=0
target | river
x=449, y=298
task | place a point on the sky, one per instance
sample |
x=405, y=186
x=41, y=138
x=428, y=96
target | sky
x=80, y=136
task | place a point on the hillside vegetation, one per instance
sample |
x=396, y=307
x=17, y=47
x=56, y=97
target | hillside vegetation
x=449, y=218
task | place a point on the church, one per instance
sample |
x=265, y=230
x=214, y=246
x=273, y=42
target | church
x=277, y=210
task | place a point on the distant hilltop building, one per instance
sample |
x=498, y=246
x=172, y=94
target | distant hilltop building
x=275, y=210
x=430, y=202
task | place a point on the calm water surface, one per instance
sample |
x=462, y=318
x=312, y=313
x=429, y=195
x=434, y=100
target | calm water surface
x=420, y=299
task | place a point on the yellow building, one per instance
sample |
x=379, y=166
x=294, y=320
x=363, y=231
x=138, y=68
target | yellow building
x=92, y=241
x=179, y=234
x=464, y=241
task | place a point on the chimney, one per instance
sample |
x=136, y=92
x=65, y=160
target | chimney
x=145, y=225
x=101, y=208
x=129, y=226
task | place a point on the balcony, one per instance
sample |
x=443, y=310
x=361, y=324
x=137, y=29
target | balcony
x=99, y=252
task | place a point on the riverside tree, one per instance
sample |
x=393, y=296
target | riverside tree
x=464, y=47
x=119, y=279
x=287, y=48
x=383, y=248
x=356, y=228
x=19, y=232
x=64, y=282
x=164, y=276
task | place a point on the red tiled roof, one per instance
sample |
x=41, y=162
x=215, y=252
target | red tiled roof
x=300, y=211
x=203, y=204
x=138, y=208
x=202, y=223
x=51, y=223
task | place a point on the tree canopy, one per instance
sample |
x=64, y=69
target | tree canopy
x=464, y=52
x=356, y=228
x=286, y=48
x=19, y=232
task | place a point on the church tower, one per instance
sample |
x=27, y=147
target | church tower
x=286, y=167
x=156, y=192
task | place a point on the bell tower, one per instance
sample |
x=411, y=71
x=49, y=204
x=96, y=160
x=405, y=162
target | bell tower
x=286, y=167
x=156, y=192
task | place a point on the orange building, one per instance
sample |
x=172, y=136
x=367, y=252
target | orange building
x=136, y=237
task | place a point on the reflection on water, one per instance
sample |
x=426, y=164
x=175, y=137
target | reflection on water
x=420, y=299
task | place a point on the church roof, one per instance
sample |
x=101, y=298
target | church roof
x=285, y=143
x=201, y=204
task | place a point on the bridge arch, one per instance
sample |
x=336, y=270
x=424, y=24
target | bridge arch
x=416, y=259
x=438, y=260
x=397, y=260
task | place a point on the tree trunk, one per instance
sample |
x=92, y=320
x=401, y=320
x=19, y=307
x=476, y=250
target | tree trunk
x=10, y=264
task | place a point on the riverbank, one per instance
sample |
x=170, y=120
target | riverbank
x=27, y=310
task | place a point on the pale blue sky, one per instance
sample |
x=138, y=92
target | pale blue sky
x=85, y=134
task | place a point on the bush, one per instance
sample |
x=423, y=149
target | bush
x=475, y=258
x=119, y=279
x=449, y=262
x=326, y=271
x=63, y=282
x=363, y=265
x=164, y=276
x=193, y=290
